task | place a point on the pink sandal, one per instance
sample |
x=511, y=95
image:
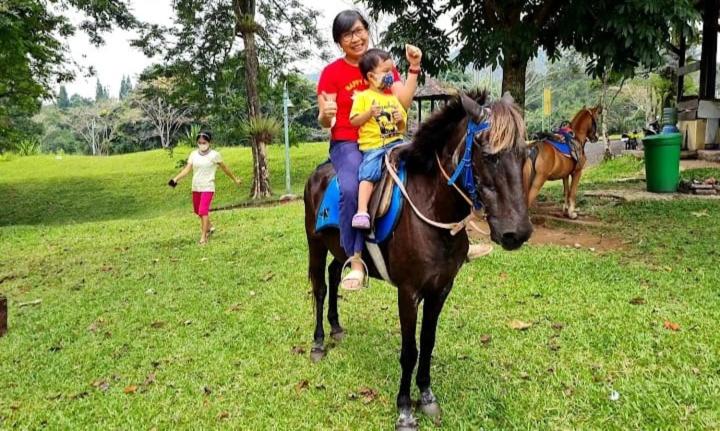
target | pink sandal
x=361, y=221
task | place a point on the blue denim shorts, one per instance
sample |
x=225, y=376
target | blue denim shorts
x=373, y=161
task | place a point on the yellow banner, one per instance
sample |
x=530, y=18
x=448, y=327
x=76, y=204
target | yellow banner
x=547, y=102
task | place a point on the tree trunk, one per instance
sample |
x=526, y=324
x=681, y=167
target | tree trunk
x=514, y=78
x=245, y=25
x=603, y=119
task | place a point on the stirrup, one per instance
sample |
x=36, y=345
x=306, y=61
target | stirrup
x=365, y=283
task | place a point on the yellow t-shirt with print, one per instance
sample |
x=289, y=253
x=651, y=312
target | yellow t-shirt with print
x=380, y=130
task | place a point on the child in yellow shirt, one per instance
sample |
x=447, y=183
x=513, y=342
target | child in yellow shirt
x=382, y=121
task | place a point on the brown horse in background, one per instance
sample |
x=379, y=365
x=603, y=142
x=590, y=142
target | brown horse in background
x=423, y=260
x=546, y=163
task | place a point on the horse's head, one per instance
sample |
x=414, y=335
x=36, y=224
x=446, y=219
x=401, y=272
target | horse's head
x=497, y=134
x=586, y=123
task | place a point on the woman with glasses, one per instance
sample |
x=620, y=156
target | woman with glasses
x=203, y=162
x=336, y=87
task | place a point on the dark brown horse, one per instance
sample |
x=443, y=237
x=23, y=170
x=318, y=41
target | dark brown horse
x=423, y=260
x=548, y=164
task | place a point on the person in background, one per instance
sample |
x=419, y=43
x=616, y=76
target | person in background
x=203, y=162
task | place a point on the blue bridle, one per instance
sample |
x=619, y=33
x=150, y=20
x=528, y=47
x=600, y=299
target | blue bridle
x=465, y=167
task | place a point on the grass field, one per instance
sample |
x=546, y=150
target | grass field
x=139, y=328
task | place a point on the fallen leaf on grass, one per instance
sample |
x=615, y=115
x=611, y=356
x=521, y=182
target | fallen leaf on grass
x=524, y=375
x=671, y=325
x=301, y=386
x=637, y=301
x=234, y=307
x=207, y=390
x=702, y=213
x=368, y=394
x=558, y=326
x=485, y=339
x=268, y=276
x=157, y=324
x=28, y=304
x=131, y=389
x=223, y=415
x=96, y=325
x=297, y=350
x=503, y=276
x=519, y=325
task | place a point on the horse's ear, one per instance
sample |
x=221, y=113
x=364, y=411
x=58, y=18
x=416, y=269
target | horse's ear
x=471, y=107
x=507, y=97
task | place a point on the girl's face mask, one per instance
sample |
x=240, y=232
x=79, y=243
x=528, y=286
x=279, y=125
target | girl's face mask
x=203, y=147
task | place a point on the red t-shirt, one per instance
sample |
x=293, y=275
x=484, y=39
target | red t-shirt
x=344, y=79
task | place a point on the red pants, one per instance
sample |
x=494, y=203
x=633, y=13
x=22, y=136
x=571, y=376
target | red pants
x=201, y=202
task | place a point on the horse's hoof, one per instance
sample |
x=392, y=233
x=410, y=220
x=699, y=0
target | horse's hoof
x=428, y=404
x=338, y=335
x=432, y=409
x=317, y=354
x=573, y=216
x=406, y=422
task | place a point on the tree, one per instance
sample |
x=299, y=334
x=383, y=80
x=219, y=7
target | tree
x=125, y=88
x=613, y=34
x=166, y=117
x=98, y=125
x=63, y=102
x=34, y=56
x=101, y=93
x=200, y=51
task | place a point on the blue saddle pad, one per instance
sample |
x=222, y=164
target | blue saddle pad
x=562, y=147
x=328, y=215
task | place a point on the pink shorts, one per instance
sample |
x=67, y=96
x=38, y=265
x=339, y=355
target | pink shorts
x=201, y=202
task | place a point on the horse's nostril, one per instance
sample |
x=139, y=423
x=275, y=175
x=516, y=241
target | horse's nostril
x=509, y=236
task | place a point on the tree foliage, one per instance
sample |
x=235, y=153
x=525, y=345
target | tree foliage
x=612, y=34
x=33, y=55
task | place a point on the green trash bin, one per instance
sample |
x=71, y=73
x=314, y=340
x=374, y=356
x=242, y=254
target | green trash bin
x=662, y=162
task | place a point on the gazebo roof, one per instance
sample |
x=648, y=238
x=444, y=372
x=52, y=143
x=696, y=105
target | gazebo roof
x=434, y=89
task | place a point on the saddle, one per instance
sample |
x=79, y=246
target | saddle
x=385, y=205
x=563, y=141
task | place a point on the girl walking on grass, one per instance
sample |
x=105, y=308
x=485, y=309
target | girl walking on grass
x=203, y=162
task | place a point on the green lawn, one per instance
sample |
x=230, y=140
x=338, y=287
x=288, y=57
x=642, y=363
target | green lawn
x=139, y=328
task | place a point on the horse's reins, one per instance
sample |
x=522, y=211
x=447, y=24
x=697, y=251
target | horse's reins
x=456, y=227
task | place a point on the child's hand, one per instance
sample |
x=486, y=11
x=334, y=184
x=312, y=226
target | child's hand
x=237, y=181
x=375, y=109
x=397, y=116
x=413, y=55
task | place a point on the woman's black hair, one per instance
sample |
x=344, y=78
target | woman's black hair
x=344, y=21
x=204, y=134
x=371, y=59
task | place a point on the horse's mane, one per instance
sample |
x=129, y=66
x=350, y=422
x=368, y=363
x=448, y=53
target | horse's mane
x=507, y=130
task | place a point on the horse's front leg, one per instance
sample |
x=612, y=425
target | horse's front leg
x=407, y=305
x=573, y=193
x=316, y=271
x=431, y=312
x=334, y=275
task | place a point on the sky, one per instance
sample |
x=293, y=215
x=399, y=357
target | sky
x=117, y=58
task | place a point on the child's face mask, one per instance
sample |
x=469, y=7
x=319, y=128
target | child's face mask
x=203, y=147
x=383, y=81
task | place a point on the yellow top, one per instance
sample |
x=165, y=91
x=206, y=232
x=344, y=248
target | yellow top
x=380, y=130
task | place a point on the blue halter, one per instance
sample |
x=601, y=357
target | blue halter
x=465, y=167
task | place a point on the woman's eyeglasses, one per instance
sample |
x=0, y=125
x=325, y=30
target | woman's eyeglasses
x=359, y=33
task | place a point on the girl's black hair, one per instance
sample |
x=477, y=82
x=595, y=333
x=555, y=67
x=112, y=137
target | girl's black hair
x=204, y=134
x=371, y=59
x=344, y=22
